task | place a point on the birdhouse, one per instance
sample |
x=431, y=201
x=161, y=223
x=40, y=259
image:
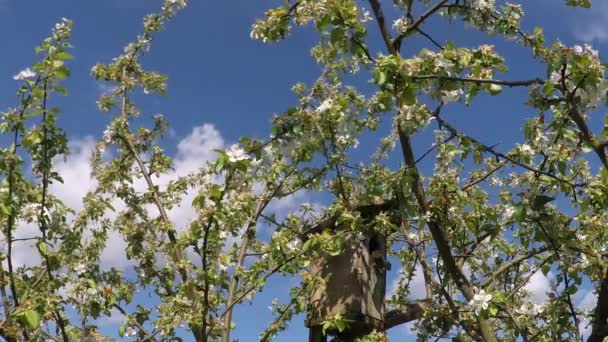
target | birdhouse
x=355, y=285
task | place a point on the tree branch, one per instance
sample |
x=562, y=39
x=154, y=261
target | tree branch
x=417, y=23
x=440, y=236
x=386, y=34
x=506, y=266
x=410, y=312
x=522, y=83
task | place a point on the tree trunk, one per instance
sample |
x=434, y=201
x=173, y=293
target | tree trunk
x=316, y=335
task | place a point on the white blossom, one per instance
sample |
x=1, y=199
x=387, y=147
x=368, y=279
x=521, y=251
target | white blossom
x=25, y=74
x=256, y=33
x=496, y=181
x=526, y=149
x=537, y=309
x=555, y=77
x=412, y=237
x=427, y=216
x=508, y=212
x=325, y=106
x=130, y=332
x=400, y=25
x=344, y=139
x=590, y=51
x=482, y=5
x=80, y=269
x=585, y=261
x=581, y=236
x=365, y=17
x=534, y=310
x=32, y=210
x=578, y=50
x=443, y=63
x=451, y=96
x=481, y=301
x=236, y=153
x=293, y=245
x=108, y=135
x=178, y=3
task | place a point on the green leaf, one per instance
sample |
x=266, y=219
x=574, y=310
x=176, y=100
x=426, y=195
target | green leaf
x=4, y=210
x=540, y=201
x=216, y=192
x=221, y=161
x=63, y=55
x=74, y=335
x=61, y=90
x=31, y=318
x=545, y=269
x=520, y=212
x=326, y=326
x=43, y=248
x=336, y=36
x=306, y=245
x=62, y=72
x=341, y=325
x=121, y=330
x=379, y=77
x=408, y=96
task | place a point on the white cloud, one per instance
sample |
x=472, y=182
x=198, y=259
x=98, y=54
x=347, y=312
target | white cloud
x=76, y=173
x=24, y=252
x=197, y=148
x=586, y=299
x=538, y=286
x=417, y=285
x=192, y=152
x=592, y=25
x=115, y=318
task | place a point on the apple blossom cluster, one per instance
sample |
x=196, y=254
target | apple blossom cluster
x=481, y=301
x=309, y=10
x=400, y=25
x=23, y=75
x=178, y=3
x=275, y=27
x=325, y=106
x=236, y=153
x=482, y=5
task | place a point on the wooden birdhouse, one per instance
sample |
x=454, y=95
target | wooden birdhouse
x=355, y=286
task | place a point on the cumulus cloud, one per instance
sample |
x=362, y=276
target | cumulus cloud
x=115, y=318
x=417, y=285
x=538, y=287
x=586, y=300
x=417, y=291
x=592, y=26
x=76, y=173
x=193, y=152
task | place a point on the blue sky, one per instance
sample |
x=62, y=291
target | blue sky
x=219, y=76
